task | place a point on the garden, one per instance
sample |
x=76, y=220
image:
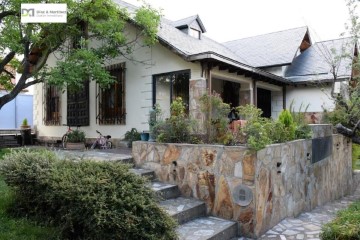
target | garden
x=43, y=197
x=252, y=129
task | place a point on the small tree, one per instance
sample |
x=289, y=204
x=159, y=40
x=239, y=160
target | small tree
x=346, y=115
x=100, y=21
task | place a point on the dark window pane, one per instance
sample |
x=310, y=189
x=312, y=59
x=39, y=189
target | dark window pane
x=169, y=86
x=111, y=101
x=78, y=107
x=52, y=109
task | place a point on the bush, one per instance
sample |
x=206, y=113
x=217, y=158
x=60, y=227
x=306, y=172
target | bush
x=289, y=127
x=217, y=121
x=87, y=199
x=131, y=136
x=345, y=226
x=177, y=128
x=76, y=136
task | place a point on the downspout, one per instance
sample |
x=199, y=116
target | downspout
x=284, y=97
x=254, y=93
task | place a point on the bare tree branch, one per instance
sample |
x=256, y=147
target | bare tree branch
x=350, y=133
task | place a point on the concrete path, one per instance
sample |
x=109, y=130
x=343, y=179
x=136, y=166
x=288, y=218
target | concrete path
x=308, y=225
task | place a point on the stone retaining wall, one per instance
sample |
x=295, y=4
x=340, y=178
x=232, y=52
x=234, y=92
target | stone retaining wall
x=256, y=189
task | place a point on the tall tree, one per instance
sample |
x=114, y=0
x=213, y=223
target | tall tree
x=93, y=34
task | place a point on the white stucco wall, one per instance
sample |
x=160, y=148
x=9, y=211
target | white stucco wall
x=157, y=59
x=317, y=98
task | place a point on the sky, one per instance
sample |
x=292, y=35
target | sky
x=227, y=20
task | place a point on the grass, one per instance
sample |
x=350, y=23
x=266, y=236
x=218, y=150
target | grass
x=18, y=228
x=345, y=225
x=356, y=156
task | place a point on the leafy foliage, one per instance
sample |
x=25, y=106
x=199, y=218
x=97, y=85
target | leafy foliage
x=302, y=129
x=93, y=34
x=216, y=124
x=260, y=131
x=132, y=135
x=356, y=156
x=76, y=136
x=177, y=128
x=86, y=199
x=345, y=225
x=16, y=228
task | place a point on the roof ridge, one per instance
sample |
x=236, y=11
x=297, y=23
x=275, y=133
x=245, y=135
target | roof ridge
x=334, y=39
x=192, y=16
x=265, y=34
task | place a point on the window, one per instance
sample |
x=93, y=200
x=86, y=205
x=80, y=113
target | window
x=194, y=33
x=111, y=101
x=168, y=86
x=78, y=106
x=52, y=108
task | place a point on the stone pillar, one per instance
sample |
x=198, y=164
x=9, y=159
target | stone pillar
x=197, y=89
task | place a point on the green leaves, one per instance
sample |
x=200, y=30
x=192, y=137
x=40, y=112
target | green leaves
x=85, y=199
x=98, y=29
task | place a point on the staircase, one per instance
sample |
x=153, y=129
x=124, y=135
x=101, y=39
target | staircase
x=190, y=213
x=8, y=140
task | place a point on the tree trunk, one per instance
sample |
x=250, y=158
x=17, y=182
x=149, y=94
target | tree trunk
x=348, y=132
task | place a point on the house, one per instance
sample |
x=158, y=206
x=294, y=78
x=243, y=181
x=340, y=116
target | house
x=267, y=71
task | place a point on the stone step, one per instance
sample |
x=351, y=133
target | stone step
x=184, y=209
x=164, y=190
x=207, y=228
x=149, y=174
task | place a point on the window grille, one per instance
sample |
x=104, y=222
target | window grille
x=111, y=109
x=78, y=106
x=52, y=105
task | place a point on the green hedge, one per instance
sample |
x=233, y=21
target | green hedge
x=87, y=199
x=346, y=225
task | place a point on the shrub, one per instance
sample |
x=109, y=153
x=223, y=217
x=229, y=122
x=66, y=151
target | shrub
x=87, y=199
x=286, y=119
x=302, y=128
x=257, y=129
x=132, y=135
x=346, y=225
x=177, y=128
x=76, y=136
x=217, y=121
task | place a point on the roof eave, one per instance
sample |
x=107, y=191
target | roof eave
x=215, y=56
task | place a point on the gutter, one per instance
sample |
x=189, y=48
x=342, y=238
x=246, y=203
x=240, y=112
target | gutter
x=213, y=55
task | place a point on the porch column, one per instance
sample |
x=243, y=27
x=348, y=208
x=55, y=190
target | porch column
x=253, y=93
x=197, y=88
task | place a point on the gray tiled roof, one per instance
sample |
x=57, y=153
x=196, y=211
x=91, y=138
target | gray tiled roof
x=188, y=21
x=315, y=63
x=277, y=48
x=193, y=49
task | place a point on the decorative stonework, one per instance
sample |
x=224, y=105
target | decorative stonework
x=280, y=180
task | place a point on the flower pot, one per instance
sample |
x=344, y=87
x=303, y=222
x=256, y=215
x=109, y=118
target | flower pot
x=75, y=146
x=144, y=136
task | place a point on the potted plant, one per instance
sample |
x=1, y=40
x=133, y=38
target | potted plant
x=132, y=135
x=24, y=124
x=145, y=136
x=75, y=140
x=25, y=131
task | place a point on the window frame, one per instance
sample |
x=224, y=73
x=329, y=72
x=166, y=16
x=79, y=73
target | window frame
x=171, y=84
x=48, y=120
x=119, y=117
